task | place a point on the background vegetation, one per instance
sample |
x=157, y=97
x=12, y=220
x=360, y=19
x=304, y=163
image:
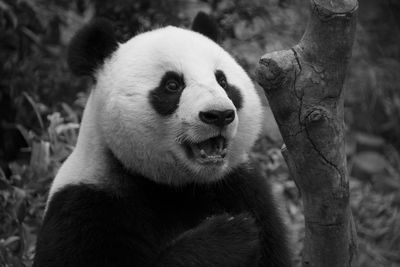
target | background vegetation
x=41, y=105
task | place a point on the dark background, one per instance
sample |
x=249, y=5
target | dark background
x=41, y=104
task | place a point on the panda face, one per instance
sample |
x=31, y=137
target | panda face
x=170, y=104
x=176, y=107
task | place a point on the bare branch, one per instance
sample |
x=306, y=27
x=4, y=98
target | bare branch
x=304, y=87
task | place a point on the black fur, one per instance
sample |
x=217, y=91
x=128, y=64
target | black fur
x=134, y=221
x=205, y=25
x=232, y=222
x=91, y=46
x=232, y=92
x=164, y=101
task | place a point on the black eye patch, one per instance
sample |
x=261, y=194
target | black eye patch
x=165, y=98
x=232, y=91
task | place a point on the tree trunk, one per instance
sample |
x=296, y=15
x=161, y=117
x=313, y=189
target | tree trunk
x=304, y=88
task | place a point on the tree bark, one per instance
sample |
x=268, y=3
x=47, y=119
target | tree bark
x=304, y=88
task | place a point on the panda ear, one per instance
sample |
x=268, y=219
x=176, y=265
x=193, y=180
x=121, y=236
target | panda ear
x=90, y=46
x=206, y=25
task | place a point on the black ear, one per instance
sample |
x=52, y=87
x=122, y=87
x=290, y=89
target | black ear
x=90, y=46
x=206, y=25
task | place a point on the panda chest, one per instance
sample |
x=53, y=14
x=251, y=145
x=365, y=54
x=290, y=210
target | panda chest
x=174, y=211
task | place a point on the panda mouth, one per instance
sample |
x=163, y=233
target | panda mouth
x=210, y=151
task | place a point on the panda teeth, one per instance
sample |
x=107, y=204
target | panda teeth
x=223, y=153
x=212, y=150
x=203, y=154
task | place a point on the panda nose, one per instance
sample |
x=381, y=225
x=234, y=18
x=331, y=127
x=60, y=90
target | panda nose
x=217, y=117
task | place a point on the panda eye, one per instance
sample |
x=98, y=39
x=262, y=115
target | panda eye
x=172, y=86
x=221, y=79
x=223, y=82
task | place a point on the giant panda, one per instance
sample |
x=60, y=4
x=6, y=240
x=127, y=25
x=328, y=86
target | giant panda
x=160, y=175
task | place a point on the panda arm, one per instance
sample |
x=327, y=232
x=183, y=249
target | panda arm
x=221, y=240
x=87, y=227
x=256, y=194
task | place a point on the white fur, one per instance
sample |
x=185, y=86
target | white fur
x=118, y=114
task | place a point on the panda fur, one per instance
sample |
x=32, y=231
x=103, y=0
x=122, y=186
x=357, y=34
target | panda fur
x=137, y=190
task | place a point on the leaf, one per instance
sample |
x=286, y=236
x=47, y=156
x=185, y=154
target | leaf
x=55, y=120
x=245, y=30
x=368, y=142
x=366, y=164
x=35, y=109
x=40, y=157
x=351, y=145
x=66, y=127
x=4, y=184
x=24, y=132
x=29, y=234
x=386, y=184
x=12, y=243
x=21, y=211
x=72, y=114
x=9, y=14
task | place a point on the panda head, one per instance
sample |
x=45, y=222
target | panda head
x=170, y=104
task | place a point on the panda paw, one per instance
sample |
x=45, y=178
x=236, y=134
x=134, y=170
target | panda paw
x=221, y=240
x=236, y=237
x=240, y=228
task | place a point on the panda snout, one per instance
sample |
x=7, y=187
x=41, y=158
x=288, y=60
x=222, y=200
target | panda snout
x=219, y=118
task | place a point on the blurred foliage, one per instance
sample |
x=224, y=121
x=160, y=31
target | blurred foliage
x=41, y=104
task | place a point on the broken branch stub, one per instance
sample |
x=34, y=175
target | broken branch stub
x=304, y=88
